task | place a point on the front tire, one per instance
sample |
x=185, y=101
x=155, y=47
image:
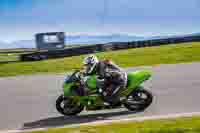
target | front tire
x=139, y=100
x=64, y=106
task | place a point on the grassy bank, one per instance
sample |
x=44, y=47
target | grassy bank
x=168, y=54
x=16, y=50
x=9, y=57
x=179, y=125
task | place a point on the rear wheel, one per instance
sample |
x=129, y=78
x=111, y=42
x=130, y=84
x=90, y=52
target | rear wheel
x=139, y=100
x=65, y=106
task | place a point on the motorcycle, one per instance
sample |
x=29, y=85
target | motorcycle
x=80, y=92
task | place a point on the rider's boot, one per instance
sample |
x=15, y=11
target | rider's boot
x=112, y=97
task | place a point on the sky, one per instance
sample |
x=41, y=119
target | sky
x=21, y=19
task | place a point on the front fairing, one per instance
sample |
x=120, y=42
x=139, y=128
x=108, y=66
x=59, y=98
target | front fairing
x=70, y=83
x=91, y=82
x=67, y=89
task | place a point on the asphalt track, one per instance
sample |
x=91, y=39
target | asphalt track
x=28, y=102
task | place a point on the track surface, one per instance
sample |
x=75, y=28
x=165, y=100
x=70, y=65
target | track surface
x=29, y=101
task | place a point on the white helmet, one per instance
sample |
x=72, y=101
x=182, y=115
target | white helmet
x=90, y=63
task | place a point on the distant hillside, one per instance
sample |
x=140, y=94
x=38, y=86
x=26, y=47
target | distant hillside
x=4, y=45
x=89, y=39
x=75, y=39
x=18, y=44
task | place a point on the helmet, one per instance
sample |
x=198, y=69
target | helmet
x=90, y=63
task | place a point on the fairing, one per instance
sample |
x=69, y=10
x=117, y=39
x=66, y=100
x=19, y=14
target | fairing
x=67, y=89
x=135, y=79
x=92, y=82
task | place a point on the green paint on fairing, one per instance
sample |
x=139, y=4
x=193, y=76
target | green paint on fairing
x=92, y=82
x=135, y=79
x=67, y=89
x=85, y=100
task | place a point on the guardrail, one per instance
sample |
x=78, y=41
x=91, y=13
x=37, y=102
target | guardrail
x=106, y=47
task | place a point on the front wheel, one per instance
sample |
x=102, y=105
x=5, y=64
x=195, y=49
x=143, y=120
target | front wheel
x=65, y=106
x=139, y=100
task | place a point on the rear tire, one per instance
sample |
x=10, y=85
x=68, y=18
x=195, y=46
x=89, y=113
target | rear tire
x=67, y=109
x=137, y=103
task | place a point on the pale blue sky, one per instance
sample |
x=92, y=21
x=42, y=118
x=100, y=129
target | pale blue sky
x=21, y=19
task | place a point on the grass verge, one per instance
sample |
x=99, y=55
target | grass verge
x=166, y=54
x=9, y=57
x=178, y=125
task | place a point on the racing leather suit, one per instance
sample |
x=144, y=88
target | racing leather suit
x=114, y=79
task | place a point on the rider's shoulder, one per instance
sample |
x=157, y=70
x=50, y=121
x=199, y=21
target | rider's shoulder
x=107, y=61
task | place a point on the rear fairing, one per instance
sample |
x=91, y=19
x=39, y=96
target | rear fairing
x=135, y=79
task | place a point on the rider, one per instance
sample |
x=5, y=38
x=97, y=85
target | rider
x=110, y=77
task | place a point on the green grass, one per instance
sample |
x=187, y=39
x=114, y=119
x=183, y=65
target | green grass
x=166, y=54
x=9, y=57
x=179, y=125
x=17, y=50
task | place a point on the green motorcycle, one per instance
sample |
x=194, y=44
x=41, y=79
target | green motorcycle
x=81, y=92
